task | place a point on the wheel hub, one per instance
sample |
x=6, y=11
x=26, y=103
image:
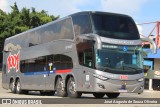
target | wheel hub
x=18, y=86
x=72, y=87
x=60, y=86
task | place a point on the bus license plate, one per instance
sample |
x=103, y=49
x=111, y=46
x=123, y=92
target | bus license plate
x=123, y=91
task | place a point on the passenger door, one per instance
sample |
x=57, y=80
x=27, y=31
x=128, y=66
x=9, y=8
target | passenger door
x=50, y=77
x=88, y=63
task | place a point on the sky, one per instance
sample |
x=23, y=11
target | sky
x=141, y=11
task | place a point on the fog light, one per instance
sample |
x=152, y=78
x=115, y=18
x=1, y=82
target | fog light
x=141, y=88
x=101, y=86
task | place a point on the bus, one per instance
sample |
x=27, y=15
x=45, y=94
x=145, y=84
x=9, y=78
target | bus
x=86, y=52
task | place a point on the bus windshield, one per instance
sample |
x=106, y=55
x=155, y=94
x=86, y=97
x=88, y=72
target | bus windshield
x=119, y=61
x=115, y=26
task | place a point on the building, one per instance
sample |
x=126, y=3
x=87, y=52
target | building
x=152, y=62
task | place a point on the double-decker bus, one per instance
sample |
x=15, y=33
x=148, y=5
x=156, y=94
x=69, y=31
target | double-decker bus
x=86, y=52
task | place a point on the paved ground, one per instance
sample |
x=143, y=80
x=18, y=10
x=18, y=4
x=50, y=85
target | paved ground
x=147, y=94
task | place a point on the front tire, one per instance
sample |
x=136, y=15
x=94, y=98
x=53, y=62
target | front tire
x=98, y=95
x=112, y=95
x=71, y=89
x=60, y=89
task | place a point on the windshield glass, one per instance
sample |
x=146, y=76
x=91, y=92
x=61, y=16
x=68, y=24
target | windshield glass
x=119, y=60
x=115, y=26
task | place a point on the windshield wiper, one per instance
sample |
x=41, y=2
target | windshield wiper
x=131, y=67
x=104, y=68
x=136, y=69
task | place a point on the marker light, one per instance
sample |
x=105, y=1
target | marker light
x=141, y=79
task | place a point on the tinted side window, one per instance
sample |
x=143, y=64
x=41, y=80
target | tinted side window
x=85, y=54
x=57, y=62
x=46, y=63
x=23, y=67
x=40, y=64
x=81, y=24
x=30, y=65
x=59, y=30
x=33, y=65
x=62, y=62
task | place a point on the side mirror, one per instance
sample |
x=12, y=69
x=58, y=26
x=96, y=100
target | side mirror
x=152, y=42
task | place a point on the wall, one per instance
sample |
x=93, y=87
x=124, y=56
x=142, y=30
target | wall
x=157, y=64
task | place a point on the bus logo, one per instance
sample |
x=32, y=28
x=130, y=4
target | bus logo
x=125, y=48
x=123, y=77
x=13, y=62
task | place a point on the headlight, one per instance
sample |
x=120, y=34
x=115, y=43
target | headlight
x=141, y=79
x=100, y=77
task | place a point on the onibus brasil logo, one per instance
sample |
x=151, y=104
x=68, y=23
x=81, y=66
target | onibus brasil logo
x=13, y=61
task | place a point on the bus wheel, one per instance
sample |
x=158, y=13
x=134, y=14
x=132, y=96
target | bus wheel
x=18, y=87
x=12, y=87
x=71, y=89
x=98, y=95
x=112, y=95
x=60, y=89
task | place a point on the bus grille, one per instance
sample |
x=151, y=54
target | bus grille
x=120, y=82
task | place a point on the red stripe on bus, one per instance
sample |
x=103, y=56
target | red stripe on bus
x=63, y=71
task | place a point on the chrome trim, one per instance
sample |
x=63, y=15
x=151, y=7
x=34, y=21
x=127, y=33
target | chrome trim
x=121, y=42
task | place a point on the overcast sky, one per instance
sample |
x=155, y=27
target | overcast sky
x=141, y=10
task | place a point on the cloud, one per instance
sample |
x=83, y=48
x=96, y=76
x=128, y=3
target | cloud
x=122, y=6
x=129, y=7
x=3, y=5
x=55, y=7
x=65, y=7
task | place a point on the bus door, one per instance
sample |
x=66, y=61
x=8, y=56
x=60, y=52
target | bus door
x=86, y=59
x=50, y=77
x=87, y=62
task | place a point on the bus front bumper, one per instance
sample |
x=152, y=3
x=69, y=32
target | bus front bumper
x=118, y=86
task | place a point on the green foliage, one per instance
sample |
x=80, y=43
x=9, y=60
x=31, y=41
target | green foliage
x=18, y=21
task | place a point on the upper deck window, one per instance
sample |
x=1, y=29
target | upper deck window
x=60, y=29
x=115, y=26
x=81, y=24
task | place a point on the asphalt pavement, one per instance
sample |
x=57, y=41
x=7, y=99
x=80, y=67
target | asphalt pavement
x=86, y=100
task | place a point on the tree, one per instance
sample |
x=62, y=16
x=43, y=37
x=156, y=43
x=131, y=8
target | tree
x=18, y=21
